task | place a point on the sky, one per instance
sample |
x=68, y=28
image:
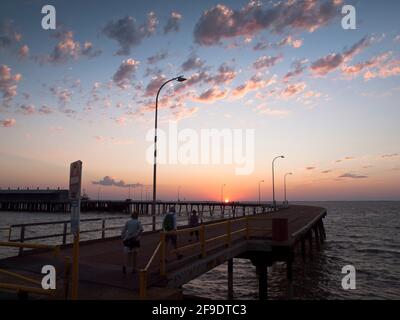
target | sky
x=287, y=73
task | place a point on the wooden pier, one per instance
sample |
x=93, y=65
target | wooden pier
x=259, y=236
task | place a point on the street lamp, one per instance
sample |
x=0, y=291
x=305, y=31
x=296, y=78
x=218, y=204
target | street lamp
x=153, y=208
x=222, y=192
x=284, y=184
x=273, y=180
x=179, y=189
x=259, y=191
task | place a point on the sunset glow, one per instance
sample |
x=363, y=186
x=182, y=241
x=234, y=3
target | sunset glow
x=325, y=97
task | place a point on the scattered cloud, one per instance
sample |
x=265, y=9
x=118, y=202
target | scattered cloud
x=211, y=95
x=110, y=181
x=326, y=171
x=8, y=83
x=221, y=22
x=63, y=95
x=183, y=113
x=121, y=121
x=193, y=62
x=333, y=61
x=9, y=37
x=393, y=155
x=123, y=77
x=173, y=23
x=45, y=110
x=384, y=69
x=23, y=52
x=157, y=57
x=298, y=68
x=310, y=168
x=27, y=109
x=264, y=109
x=266, y=62
x=224, y=75
x=254, y=83
x=293, y=89
x=352, y=176
x=128, y=33
x=153, y=86
x=68, y=49
x=8, y=123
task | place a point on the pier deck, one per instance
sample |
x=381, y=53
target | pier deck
x=252, y=237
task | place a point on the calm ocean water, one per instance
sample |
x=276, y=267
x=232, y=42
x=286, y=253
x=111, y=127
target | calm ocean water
x=363, y=234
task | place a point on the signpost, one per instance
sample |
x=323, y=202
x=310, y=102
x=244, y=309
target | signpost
x=75, y=182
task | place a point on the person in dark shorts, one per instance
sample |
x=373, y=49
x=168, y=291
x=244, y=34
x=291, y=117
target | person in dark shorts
x=169, y=224
x=131, y=233
x=194, y=222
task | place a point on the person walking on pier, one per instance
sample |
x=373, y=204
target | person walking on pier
x=169, y=225
x=131, y=233
x=194, y=222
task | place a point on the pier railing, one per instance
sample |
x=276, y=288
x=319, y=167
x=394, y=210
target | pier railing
x=244, y=228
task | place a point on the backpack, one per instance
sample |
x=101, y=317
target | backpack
x=168, y=223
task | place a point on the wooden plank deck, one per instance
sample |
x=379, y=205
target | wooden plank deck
x=100, y=261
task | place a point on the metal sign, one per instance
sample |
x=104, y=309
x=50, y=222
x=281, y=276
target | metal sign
x=75, y=182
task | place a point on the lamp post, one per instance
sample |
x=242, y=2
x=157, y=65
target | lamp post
x=284, y=185
x=179, y=189
x=273, y=180
x=153, y=207
x=259, y=191
x=222, y=192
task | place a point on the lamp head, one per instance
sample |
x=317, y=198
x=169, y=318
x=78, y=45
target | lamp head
x=282, y=157
x=181, y=79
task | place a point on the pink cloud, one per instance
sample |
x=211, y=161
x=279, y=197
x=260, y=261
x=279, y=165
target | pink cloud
x=23, y=52
x=8, y=123
x=221, y=22
x=123, y=76
x=68, y=49
x=266, y=62
x=252, y=84
x=333, y=61
x=8, y=83
x=211, y=95
x=293, y=89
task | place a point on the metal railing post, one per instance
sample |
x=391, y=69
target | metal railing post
x=163, y=253
x=67, y=274
x=64, y=241
x=21, y=239
x=247, y=228
x=143, y=284
x=103, y=227
x=203, y=240
x=229, y=234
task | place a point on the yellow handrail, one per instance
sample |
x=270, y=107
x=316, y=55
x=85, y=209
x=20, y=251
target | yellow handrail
x=19, y=276
x=161, y=247
x=30, y=246
x=143, y=273
x=17, y=288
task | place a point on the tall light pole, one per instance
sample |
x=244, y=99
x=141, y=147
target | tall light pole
x=153, y=208
x=179, y=189
x=259, y=191
x=222, y=192
x=284, y=184
x=273, y=180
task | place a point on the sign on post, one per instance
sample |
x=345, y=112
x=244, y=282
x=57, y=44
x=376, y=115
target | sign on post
x=75, y=182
